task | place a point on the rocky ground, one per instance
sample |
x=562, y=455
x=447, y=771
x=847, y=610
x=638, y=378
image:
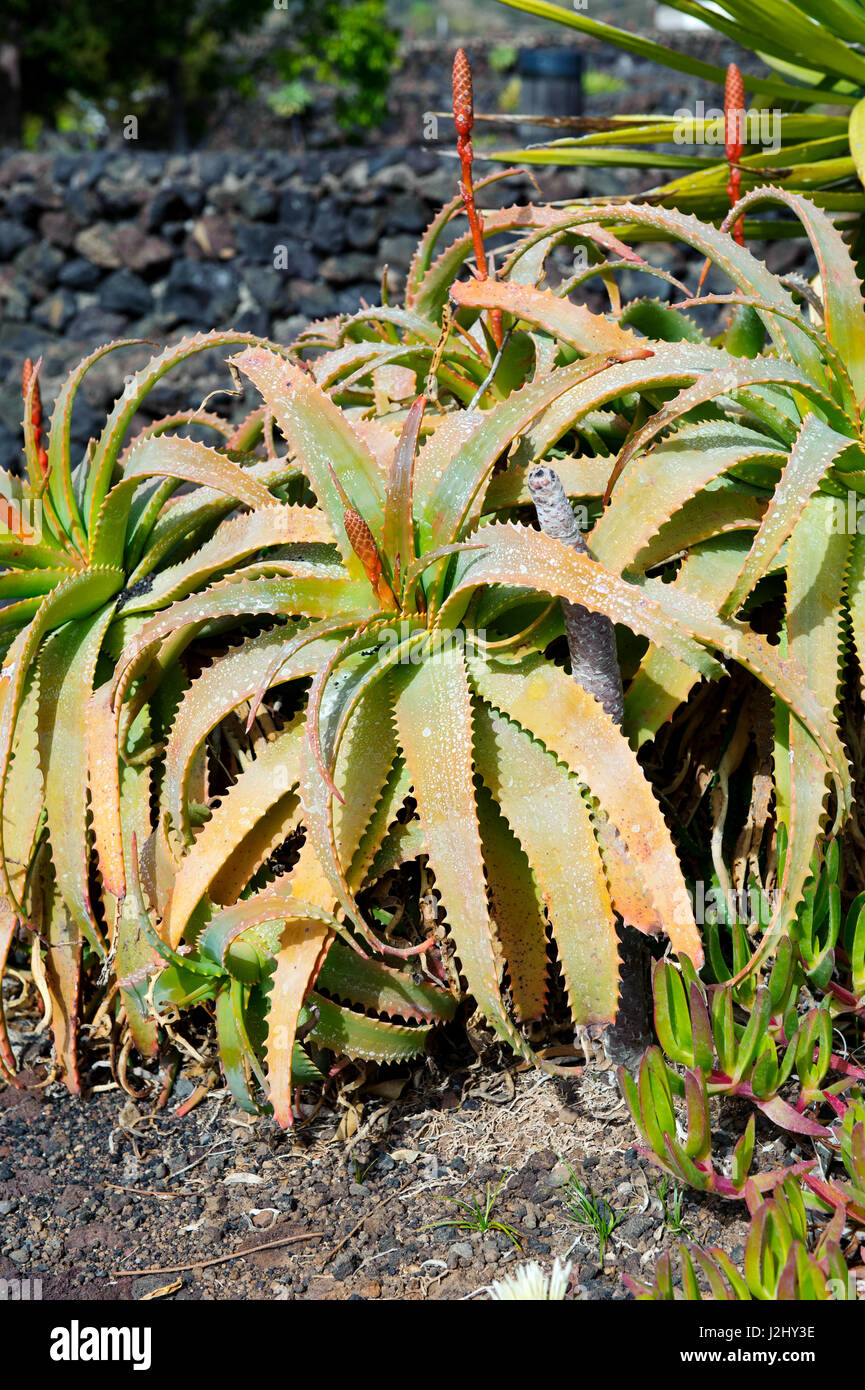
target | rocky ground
x=110, y=1198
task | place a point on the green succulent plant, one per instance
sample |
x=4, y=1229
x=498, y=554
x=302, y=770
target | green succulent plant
x=782, y=1262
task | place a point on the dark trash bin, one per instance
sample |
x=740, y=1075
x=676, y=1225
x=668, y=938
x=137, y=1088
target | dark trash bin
x=552, y=81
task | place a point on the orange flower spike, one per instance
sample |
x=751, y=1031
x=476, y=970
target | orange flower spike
x=363, y=544
x=464, y=119
x=734, y=129
x=28, y=374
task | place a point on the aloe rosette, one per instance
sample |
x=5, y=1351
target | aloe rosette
x=418, y=639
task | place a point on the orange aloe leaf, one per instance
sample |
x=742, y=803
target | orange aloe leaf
x=577, y=730
x=545, y=808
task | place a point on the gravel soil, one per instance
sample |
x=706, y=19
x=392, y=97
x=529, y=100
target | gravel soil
x=110, y=1198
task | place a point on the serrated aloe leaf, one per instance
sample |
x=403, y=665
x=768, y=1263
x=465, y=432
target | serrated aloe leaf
x=736, y=262
x=434, y=729
x=812, y=455
x=234, y=1053
x=173, y=457
x=365, y=862
x=354, y=1035
x=572, y=323
x=398, y=530
x=75, y=597
x=252, y=850
x=274, y=774
x=517, y=907
x=245, y=671
x=739, y=376
x=662, y=683
x=366, y=755
x=271, y=904
x=62, y=973
x=24, y=800
x=546, y=811
x=322, y=438
x=841, y=288
x=303, y=528
x=718, y=511
x=110, y=441
x=575, y=728
x=239, y=596
x=664, y=479
x=816, y=566
x=459, y=493
x=60, y=483
x=423, y=255
x=503, y=553
x=373, y=985
x=67, y=669
x=302, y=948
x=135, y=960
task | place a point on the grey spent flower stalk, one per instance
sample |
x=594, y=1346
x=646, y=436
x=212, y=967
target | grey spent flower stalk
x=591, y=636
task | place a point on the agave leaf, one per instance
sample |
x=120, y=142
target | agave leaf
x=273, y=775
x=814, y=452
x=547, y=813
x=576, y=729
x=67, y=669
x=572, y=323
x=321, y=437
x=517, y=905
x=434, y=729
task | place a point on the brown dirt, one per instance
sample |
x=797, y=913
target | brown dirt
x=94, y=1193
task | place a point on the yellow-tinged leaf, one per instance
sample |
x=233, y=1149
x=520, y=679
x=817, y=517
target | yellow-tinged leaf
x=434, y=729
x=573, y=726
x=272, y=777
x=545, y=808
x=572, y=323
x=302, y=949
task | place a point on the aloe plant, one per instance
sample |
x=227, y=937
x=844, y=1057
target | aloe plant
x=810, y=54
x=782, y=1262
x=79, y=544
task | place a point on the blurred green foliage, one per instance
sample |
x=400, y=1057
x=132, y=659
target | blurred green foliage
x=119, y=57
